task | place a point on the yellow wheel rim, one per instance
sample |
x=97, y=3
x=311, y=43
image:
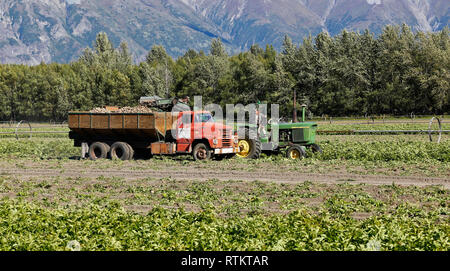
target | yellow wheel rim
x=295, y=154
x=244, y=148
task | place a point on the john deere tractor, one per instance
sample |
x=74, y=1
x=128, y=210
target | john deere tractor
x=294, y=138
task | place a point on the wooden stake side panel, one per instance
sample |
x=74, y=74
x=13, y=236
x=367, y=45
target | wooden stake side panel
x=159, y=148
x=116, y=121
x=100, y=121
x=164, y=121
x=73, y=121
x=85, y=121
x=160, y=122
x=147, y=122
x=151, y=126
x=174, y=120
x=130, y=121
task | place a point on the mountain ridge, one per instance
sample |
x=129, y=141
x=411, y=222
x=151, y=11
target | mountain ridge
x=58, y=30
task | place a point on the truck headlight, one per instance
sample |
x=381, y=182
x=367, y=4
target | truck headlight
x=215, y=141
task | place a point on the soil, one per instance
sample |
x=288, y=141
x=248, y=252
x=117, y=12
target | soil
x=186, y=172
x=233, y=187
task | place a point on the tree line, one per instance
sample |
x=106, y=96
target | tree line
x=396, y=72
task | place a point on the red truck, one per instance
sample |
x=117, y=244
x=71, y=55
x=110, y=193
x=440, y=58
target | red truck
x=118, y=135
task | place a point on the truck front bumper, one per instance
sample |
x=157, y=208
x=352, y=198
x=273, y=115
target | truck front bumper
x=226, y=151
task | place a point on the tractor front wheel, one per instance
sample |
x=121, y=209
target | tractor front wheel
x=295, y=153
x=316, y=148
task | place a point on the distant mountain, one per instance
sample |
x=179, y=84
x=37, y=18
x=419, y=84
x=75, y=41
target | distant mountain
x=32, y=31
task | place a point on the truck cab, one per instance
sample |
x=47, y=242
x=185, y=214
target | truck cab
x=198, y=133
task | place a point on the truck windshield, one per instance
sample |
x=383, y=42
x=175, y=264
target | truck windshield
x=204, y=117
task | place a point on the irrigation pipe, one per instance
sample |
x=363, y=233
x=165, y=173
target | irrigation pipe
x=17, y=128
x=440, y=129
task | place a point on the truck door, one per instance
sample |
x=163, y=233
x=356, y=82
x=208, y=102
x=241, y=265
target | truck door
x=197, y=127
x=184, y=128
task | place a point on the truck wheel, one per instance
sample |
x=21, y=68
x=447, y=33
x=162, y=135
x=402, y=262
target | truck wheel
x=131, y=153
x=98, y=150
x=108, y=148
x=249, y=148
x=295, y=152
x=201, y=152
x=120, y=150
x=316, y=148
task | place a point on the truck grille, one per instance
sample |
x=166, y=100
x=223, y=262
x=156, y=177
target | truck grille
x=227, y=143
x=227, y=139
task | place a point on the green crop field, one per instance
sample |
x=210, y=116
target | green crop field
x=215, y=215
x=365, y=192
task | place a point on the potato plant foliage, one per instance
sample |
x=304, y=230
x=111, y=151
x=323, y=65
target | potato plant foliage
x=25, y=226
x=386, y=150
x=37, y=148
x=423, y=126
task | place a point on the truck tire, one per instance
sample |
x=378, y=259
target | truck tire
x=249, y=148
x=98, y=150
x=131, y=153
x=120, y=150
x=201, y=152
x=108, y=148
x=295, y=152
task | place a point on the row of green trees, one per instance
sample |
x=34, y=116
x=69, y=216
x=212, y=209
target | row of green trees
x=397, y=72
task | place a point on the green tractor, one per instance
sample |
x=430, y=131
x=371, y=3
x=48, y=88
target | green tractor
x=292, y=137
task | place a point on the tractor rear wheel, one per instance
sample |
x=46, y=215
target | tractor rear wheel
x=98, y=150
x=201, y=152
x=120, y=150
x=295, y=152
x=249, y=148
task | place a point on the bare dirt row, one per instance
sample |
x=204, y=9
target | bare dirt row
x=178, y=172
